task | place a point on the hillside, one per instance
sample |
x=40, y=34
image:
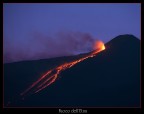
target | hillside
x=110, y=79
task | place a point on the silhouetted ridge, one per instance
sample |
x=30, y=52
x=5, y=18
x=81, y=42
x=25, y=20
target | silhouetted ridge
x=122, y=40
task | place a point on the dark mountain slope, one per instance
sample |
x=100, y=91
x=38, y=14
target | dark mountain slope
x=110, y=79
x=20, y=75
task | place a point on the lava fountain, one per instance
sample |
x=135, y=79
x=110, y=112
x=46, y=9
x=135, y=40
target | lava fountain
x=51, y=75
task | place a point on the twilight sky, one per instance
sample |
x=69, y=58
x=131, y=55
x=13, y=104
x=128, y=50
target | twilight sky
x=46, y=30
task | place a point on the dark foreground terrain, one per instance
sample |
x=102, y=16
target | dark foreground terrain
x=110, y=79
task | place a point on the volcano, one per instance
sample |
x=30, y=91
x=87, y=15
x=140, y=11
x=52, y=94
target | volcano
x=109, y=79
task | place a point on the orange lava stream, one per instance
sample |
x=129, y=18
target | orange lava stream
x=50, y=77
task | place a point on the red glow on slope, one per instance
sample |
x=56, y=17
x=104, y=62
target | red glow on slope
x=99, y=44
x=50, y=77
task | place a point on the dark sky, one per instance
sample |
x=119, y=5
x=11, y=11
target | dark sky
x=36, y=31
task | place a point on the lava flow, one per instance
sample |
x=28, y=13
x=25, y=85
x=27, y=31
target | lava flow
x=52, y=74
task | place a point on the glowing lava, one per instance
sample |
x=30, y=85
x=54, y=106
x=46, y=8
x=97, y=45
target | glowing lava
x=99, y=44
x=52, y=74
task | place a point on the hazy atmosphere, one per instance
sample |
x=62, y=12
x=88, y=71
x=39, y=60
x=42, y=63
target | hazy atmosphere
x=37, y=31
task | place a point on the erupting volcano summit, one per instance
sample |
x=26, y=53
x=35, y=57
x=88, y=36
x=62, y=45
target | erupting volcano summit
x=52, y=74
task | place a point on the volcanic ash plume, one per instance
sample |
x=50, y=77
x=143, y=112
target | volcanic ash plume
x=42, y=46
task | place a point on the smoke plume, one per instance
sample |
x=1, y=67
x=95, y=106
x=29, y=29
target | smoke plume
x=40, y=46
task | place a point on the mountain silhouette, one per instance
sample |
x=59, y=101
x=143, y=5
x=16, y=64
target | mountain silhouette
x=110, y=79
